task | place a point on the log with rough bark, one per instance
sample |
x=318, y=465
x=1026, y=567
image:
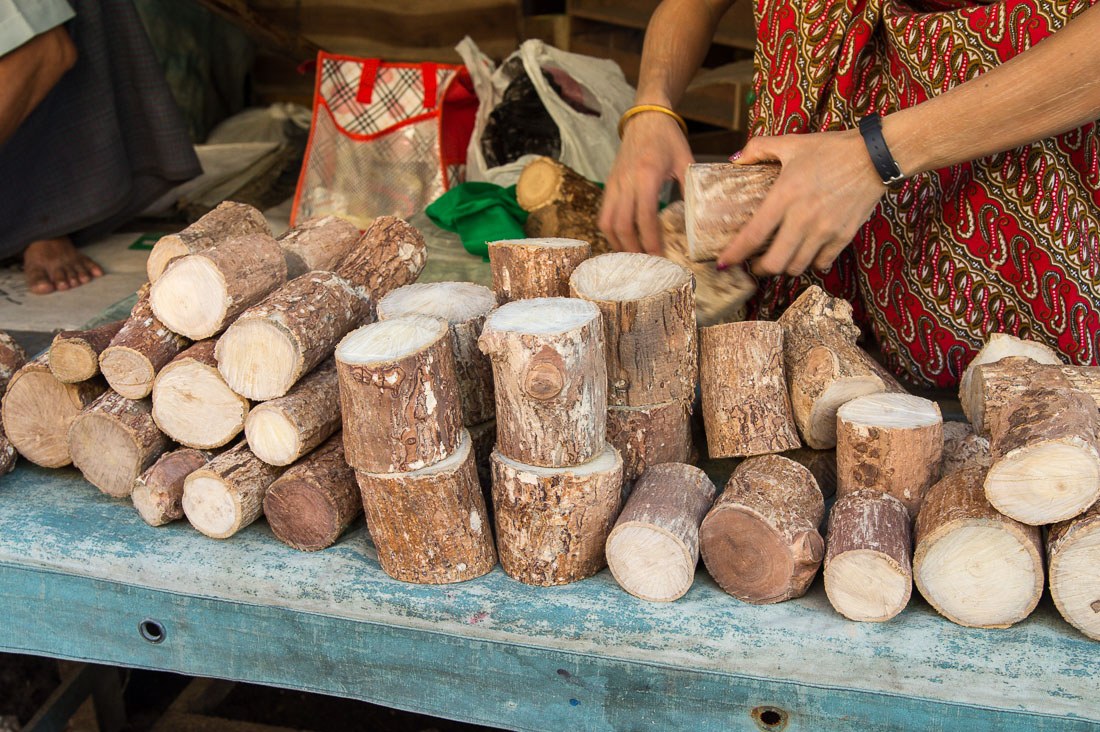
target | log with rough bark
x=746, y=407
x=1003, y=383
x=974, y=565
x=430, y=526
x=391, y=254
x=193, y=405
x=890, y=443
x=1073, y=555
x=719, y=199
x=760, y=540
x=398, y=397
x=74, y=354
x=963, y=448
x=12, y=358
x=648, y=436
x=868, y=570
x=158, y=493
x=201, y=294
x=38, y=411
x=227, y=495
x=998, y=346
x=551, y=380
x=560, y=203
x=8, y=454
x=229, y=220
x=484, y=439
x=552, y=523
x=465, y=306
x=528, y=268
x=311, y=504
x=284, y=429
x=1046, y=456
x=319, y=243
x=654, y=547
x=114, y=440
x=822, y=463
x=140, y=349
x=648, y=307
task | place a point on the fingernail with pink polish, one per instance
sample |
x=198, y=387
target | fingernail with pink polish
x=736, y=156
x=720, y=266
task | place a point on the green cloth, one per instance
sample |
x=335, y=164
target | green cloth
x=479, y=213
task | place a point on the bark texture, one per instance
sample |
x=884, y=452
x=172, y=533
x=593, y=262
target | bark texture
x=228, y=494
x=530, y=268
x=963, y=448
x=561, y=203
x=193, y=405
x=391, y=254
x=997, y=346
x=284, y=429
x=821, y=463
x=140, y=349
x=229, y=220
x=649, y=436
x=317, y=244
x=1073, y=554
x=720, y=198
x=74, y=354
x=158, y=493
x=12, y=358
x=1002, y=383
x=113, y=441
x=311, y=504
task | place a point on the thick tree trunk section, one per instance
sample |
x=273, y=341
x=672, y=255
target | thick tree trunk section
x=822, y=463
x=551, y=380
x=760, y=541
x=719, y=199
x=397, y=395
x=868, y=573
x=998, y=346
x=654, y=547
x=430, y=526
x=193, y=405
x=74, y=354
x=649, y=436
x=530, y=268
x=963, y=448
x=282, y=430
x=974, y=565
x=140, y=349
x=1073, y=554
x=158, y=493
x=311, y=504
x=746, y=408
x=227, y=495
x=12, y=358
x=1004, y=382
x=228, y=221
x=317, y=244
x=391, y=254
x=113, y=441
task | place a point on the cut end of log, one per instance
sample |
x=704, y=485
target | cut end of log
x=891, y=411
x=258, y=359
x=210, y=506
x=998, y=346
x=390, y=340
x=626, y=276
x=158, y=491
x=604, y=462
x=271, y=436
x=867, y=586
x=193, y=405
x=821, y=431
x=37, y=412
x=539, y=183
x=542, y=315
x=164, y=251
x=755, y=561
x=73, y=360
x=541, y=243
x=300, y=515
x=653, y=563
x=105, y=453
x=128, y=371
x=719, y=199
x=455, y=302
x=1074, y=580
x=191, y=297
x=1045, y=482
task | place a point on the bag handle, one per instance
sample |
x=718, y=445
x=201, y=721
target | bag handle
x=370, y=75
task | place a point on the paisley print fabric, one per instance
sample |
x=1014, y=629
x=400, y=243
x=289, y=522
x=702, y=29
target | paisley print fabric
x=1007, y=244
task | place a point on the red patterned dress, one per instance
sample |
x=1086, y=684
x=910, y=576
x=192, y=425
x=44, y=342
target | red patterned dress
x=1007, y=244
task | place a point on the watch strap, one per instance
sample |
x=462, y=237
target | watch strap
x=871, y=129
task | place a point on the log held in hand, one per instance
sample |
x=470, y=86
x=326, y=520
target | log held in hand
x=720, y=198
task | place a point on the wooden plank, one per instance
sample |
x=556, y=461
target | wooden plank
x=736, y=28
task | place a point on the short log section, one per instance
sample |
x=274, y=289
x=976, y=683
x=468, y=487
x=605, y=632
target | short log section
x=113, y=441
x=229, y=220
x=140, y=349
x=561, y=203
x=158, y=492
x=317, y=244
x=963, y=448
x=648, y=436
x=997, y=346
x=228, y=494
x=311, y=504
x=391, y=254
x=74, y=354
x=528, y=268
x=1004, y=382
x=719, y=199
x=282, y=430
x=1073, y=555
x=193, y=405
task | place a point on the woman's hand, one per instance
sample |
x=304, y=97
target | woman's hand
x=826, y=191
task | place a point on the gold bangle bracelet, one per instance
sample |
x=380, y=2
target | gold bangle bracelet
x=638, y=109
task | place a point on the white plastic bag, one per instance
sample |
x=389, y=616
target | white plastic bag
x=588, y=142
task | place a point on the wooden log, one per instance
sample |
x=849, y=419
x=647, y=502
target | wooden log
x=397, y=395
x=997, y=346
x=430, y=525
x=552, y=523
x=648, y=307
x=821, y=463
x=974, y=565
x=558, y=221
x=114, y=440
x=746, y=408
x=1073, y=554
x=317, y=244
x=12, y=358
x=1002, y=383
x=390, y=254
x=311, y=504
x=654, y=547
x=227, y=495
x=760, y=541
x=140, y=349
x=229, y=220
x=868, y=572
x=649, y=436
x=8, y=454
x=719, y=199
x=1046, y=457
x=284, y=429
x=158, y=492
x=963, y=448
x=530, y=268
x=74, y=354
x=561, y=203
x=890, y=443
x=465, y=306
x=484, y=439
x=38, y=410
x=551, y=380
x=193, y=405
x=199, y=295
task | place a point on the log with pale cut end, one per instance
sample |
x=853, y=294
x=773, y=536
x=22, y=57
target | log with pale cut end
x=1003, y=382
x=822, y=463
x=158, y=492
x=398, y=396
x=229, y=220
x=278, y=341
x=465, y=306
x=974, y=565
x=719, y=199
x=998, y=346
x=1046, y=456
x=560, y=203
x=963, y=448
x=311, y=504
x=390, y=254
x=193, y=405
x=74, y=354
x=140, y=349
x=228, y=494
x=552, y=523
x=760, y=541
x=114, y=440
x=868, y=570
x=284, y=429
x=890, y=443
x=201, y=294
x=38, y=411
x=654, y=547
x=647, y=436
x=317, y=244
x=430, y=526
x=648, y=307
x=529, y=268
x=12, y=358
x=551, y=380
x=1073, y=556
x=746, y=408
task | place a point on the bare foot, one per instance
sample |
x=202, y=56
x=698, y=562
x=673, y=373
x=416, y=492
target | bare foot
x=55, y=264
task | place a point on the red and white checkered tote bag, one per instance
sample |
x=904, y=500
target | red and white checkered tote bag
x=387, y=138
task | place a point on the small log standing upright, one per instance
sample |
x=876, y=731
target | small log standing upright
x=113, y=441
x=284, y=429
x=140, y=349
x=648, y=436
x=528, y=268
x=227, y=495
x=229, y=220
x=1073, y=554
x=158, y=493
x=74, y=354
x=997, y=346
x=719, y=199
x=317, y=244
x=193, y=405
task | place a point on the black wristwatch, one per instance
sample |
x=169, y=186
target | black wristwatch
x=871, y=129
